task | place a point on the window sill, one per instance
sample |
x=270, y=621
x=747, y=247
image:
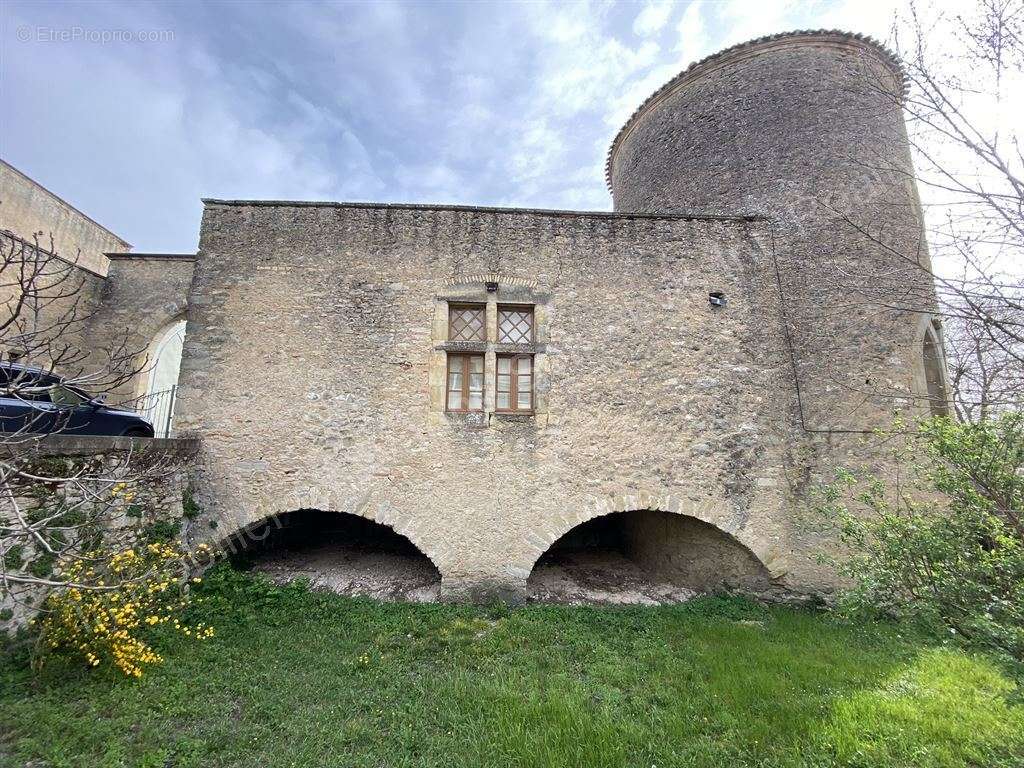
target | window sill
x=514, y=417
x=475, y=419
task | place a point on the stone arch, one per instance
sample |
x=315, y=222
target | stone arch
x=339, y=551
x=158, y=380
x=164, y=346
x=312, y=498
x=644, y=556
x=935, y=377
x=541, y=540
x=493, y=277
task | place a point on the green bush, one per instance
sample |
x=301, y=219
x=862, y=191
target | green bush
x=941, y=541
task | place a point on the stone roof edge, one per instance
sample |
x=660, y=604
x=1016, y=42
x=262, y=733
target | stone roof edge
x=31, y=244
x=887, y=55
x=61, y=200
x=132, y=255
x=484, y=209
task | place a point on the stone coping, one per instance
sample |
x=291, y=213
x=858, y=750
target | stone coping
x=91, y=445
x=46, y=252
x=608, y=215
x=151, y=256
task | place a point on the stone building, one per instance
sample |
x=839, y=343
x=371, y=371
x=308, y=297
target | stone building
x=30, y=210
x=488, y=382
x=119, y=297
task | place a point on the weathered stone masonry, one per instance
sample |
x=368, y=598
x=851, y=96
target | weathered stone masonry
x=314, y=363
x=31, y=211
x=157, y=471
x=312, y=351
x=141, y=295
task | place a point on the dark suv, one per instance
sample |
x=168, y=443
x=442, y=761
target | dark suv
x=34, y=400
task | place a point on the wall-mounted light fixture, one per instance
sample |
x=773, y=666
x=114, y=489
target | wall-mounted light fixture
x=717, y=299
x=492, y=287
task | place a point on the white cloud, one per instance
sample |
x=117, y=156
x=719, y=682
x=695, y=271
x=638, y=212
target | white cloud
x=693, y=39
x=512, y=104
x=873, y=18
x=741, y=20
x=652, y=18
x=430, y=182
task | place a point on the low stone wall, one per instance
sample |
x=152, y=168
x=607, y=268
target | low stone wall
x=155, y=472
x=76, y=446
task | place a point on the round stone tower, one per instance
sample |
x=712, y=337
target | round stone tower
x=805, y=128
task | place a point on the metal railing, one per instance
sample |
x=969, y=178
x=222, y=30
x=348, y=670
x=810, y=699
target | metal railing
x=158, y=407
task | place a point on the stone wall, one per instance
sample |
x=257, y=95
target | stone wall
x=102, y=329
x=806, y=128
x=29, y=209
x=154, y=471
x=45, y=303
x=691, y=552
x=142, y=295
x=316, y=343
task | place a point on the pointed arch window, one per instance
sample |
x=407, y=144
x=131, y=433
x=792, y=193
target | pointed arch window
x=161, y=379
x=935, y=375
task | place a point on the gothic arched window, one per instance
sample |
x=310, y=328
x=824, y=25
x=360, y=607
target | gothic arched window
x=162, y=377
x=935, y=375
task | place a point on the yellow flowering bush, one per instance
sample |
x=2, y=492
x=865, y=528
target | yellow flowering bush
x=123, y=491
x=110, y=601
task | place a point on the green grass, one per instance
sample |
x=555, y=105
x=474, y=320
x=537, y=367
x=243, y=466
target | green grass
x=295, y=678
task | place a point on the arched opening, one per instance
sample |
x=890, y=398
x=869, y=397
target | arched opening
x=339, y=552
x=935, y=375
x=161, y=378
x=644, y=557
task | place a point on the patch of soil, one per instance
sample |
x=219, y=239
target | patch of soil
x=352, y=570
x=587, y=577
x=600, y=577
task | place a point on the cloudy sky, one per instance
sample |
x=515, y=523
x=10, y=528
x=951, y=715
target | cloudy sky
x=135, y=111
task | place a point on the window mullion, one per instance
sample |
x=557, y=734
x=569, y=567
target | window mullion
x=514, y=385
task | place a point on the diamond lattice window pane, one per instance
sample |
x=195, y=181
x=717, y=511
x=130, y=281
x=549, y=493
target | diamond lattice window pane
x=515, y=326
x=466, y=324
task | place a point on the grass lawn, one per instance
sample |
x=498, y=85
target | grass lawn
x=295, y=678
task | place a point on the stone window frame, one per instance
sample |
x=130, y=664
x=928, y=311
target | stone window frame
x=510, y=292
